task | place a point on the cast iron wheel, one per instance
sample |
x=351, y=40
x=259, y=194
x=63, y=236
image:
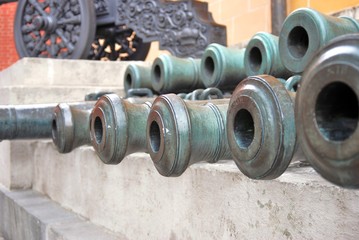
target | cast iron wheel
x=118, y=43
x=54, y=28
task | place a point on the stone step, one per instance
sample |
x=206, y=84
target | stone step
x=26, y=214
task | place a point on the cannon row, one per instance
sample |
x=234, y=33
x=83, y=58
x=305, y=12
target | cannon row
x=264, y=125
x=304, y=32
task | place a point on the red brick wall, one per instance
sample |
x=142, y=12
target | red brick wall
x=8, y=54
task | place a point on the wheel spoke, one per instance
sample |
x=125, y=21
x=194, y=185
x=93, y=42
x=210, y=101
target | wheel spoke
x=54, y=48
x=64, y=39
x=28, y=28
x=38, y=7
x=39, y=44
x=52, y=6
x=72, y=20
x=60, y=8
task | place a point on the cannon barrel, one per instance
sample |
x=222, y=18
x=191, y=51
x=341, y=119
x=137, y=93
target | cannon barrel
x=118, y=127
x=222, y=67
x=305, y=31
x=71, y=125
x=327, y=111
x=26, y=121
x=175, y=75
x=262, y=56
x=137, y=76
x=181, y=133
x=261, y=128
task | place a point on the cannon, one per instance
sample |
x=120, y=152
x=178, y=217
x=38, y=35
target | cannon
x=118, y=127
x=113, y=29
x=181, y=133
x=262, y=56
x=305, y=31
x=327, y=111
x=222, y=67
x=261, y=128
x=175, y=75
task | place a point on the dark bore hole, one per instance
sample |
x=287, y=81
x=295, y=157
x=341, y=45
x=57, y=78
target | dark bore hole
x=155, y=137
x=157, y=73
x=209, y=67
x=128, y=81
x=54, y=129
x=298, y=42
x=255, y=59
x=336, y=111
x=243, y=128
x=98, y=129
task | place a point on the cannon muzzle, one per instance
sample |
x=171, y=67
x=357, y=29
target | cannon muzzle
x=305, y=31
x=261, y=128
x=181, y=133
x=118, y=127
x=222, y=67
x=137, y=76
x=175, y=75
x=262, y=57
x=327, y=112
x=71, y=125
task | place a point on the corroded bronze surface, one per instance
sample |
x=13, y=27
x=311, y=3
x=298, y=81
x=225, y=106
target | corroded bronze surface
x=137, y=76
x=222, y=67
x=181, y=133
x=175, y=75
x=262, y=56
x=327, y=111
x=71, y=125
x=305, y=31
x=261, y=128
x=118, y=127
x=26, y=121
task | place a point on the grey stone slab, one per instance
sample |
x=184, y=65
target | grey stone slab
x=29, y=215
x=45, y=94
x=51, y=72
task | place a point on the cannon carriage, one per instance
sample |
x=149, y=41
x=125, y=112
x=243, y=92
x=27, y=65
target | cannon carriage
x=113, y=29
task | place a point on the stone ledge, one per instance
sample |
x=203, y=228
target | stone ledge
x=39, y=71
x=29, y=215
x=209, y=201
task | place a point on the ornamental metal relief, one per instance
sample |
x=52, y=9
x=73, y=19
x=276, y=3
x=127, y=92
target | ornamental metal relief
x=101, y=7
x=185, y=28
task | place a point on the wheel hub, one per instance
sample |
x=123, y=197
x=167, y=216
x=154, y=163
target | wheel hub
x=47, y=23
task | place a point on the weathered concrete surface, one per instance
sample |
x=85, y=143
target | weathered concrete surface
x=31, y=216
x=34, y=80
x=37, y=71
x=208, y=202
x=16, y=164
